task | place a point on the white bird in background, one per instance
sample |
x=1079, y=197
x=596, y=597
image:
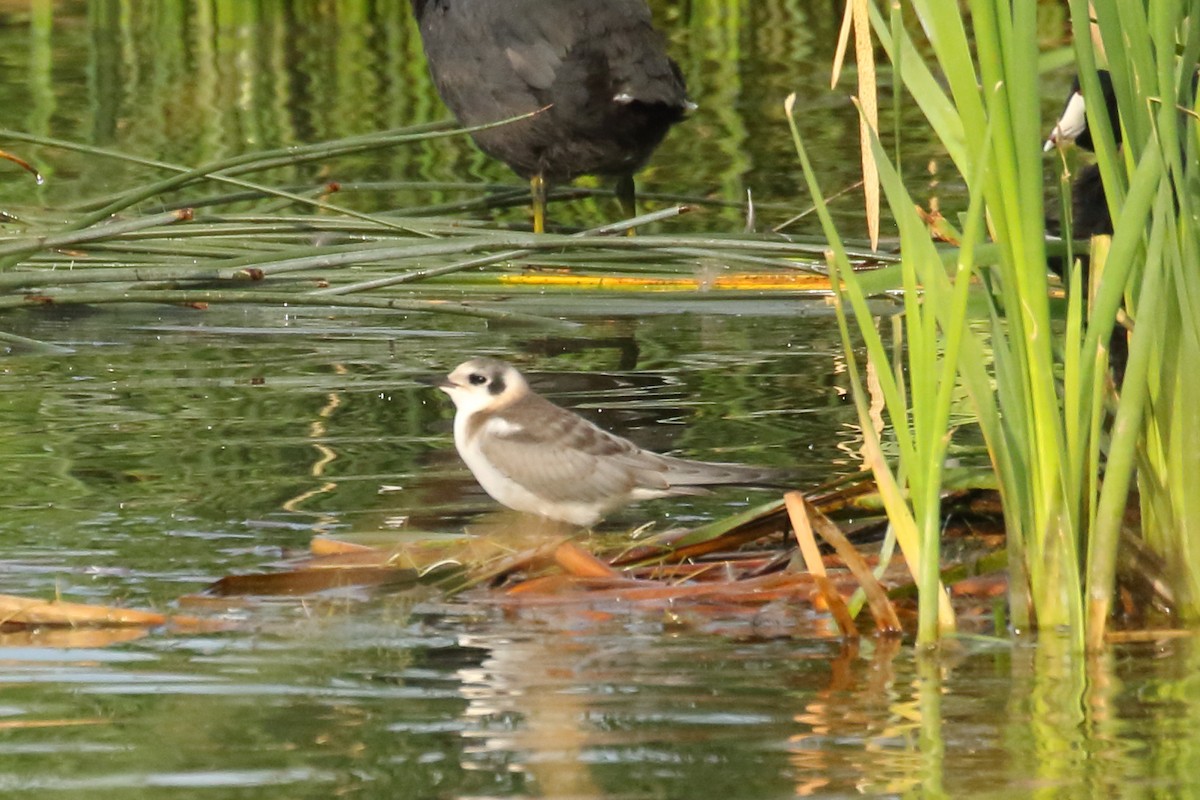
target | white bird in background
x=534, y=456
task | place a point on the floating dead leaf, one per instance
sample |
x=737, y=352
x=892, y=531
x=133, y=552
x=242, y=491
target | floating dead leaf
x=17, y=612
x=311, y=580
x=577, y=561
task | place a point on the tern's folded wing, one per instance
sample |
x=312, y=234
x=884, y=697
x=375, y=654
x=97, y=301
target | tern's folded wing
x=563, y=458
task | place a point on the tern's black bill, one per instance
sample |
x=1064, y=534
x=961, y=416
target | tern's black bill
x=436, y=381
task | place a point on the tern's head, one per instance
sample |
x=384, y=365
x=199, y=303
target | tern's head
x=484, y=384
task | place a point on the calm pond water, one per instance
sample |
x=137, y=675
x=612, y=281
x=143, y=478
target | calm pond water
x=171, y=447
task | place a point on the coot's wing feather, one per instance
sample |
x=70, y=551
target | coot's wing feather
x=598, y=66
x=637, y=56
x=574, y=52
x=622, y=55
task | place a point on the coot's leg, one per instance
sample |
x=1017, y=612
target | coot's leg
x=537, y=187
x=627, y=197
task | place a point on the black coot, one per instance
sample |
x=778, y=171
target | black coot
x=1089, y=203
x=598, y=68
x=1088, y=200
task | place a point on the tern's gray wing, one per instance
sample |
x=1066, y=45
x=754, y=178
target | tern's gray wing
x=562, y=457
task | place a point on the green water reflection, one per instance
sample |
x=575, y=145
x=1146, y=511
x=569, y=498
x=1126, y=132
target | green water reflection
x=190, y=83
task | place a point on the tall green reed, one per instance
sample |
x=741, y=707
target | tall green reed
x=1154, y=267
x=1041, y=397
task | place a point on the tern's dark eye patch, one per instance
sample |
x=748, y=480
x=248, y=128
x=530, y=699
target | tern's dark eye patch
x=476, y=379
x=497, y=386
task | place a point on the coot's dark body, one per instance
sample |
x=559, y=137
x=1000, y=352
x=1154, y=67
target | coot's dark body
x=1089, y=203
x=598, y=68
x=1090, y=214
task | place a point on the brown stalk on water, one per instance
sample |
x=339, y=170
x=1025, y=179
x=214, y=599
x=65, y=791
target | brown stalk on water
x=811, y=554
x=886, y=621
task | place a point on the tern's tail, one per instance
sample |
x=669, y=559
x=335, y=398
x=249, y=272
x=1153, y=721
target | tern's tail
x=682, y=473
